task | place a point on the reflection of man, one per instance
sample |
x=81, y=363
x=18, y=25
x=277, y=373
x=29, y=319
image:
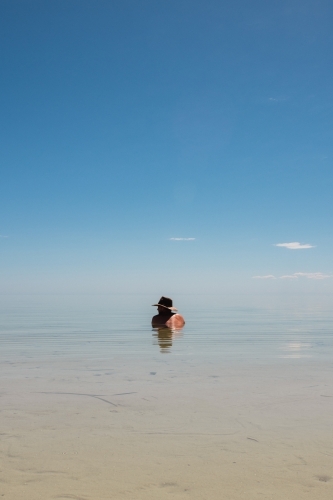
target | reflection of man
x=166, y=315
x=165, y=336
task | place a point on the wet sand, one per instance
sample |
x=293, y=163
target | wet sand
x=166, y=428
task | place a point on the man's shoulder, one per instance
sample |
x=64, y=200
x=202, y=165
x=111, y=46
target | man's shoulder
x=158, y=320
x=176, y=321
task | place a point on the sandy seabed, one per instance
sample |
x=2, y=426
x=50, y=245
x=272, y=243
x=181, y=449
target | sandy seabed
x=169, y=428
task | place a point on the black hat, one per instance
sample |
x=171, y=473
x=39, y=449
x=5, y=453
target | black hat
x=166, y=302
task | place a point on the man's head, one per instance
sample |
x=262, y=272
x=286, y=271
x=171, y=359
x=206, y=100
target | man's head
x=165, y=305
x=163, y=310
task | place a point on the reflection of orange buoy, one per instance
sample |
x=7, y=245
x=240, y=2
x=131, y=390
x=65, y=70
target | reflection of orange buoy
x=177, y=333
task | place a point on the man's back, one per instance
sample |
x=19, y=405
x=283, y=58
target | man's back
x=170, y=320
x=166, y=316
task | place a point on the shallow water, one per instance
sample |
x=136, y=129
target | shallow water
x=97, y=404
x=105, y=326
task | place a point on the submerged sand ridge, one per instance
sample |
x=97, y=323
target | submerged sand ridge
x=157, y=428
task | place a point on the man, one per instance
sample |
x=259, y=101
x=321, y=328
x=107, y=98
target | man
x=166, y=316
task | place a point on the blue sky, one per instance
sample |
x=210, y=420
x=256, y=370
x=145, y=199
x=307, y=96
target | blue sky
x=127, y=123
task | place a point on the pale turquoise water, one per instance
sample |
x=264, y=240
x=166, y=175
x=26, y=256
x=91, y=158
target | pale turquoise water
x=95, y=404
x=218, y=327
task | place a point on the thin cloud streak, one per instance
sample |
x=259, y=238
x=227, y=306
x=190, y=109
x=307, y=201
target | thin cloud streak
x=295, y=276
x=294, y=245
x=311, y=276
x=181, y=239
x=267, y=277
x=314, y=276
x=3, y=236
x=277, y=99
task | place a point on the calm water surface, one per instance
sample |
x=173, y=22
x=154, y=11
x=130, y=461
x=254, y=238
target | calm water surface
x=216, y=327
x=95, y=404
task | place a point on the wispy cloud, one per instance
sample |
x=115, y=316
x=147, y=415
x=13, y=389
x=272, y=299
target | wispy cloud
x=311, y=276
x=182, y=239
x=277, y=99
x=267, y=277
x=295, y=276
x=3, y=236
x=314, y=276
x=294, y=245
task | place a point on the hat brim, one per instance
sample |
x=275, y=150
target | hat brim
x=165, y=307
